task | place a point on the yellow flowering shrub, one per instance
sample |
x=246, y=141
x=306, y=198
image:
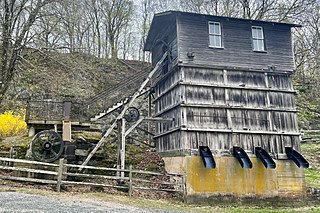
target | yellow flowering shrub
x=12, y=124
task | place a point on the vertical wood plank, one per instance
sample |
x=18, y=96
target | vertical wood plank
x=60, y=173
x=130, y=180
x=123, y=145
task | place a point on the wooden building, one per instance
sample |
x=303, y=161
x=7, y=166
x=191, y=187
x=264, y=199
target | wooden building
x=227, y=82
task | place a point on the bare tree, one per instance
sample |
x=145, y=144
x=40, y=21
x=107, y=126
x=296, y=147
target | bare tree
x=74, y=24
x=16, y=18
x=117, y=14
x=48, y=36
x=95, y=14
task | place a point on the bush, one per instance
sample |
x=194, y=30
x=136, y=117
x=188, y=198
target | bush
x=12, y=124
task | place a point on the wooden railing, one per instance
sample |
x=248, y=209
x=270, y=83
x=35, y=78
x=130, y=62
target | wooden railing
x=311, y=136
x=53, y=111
x=59, y=175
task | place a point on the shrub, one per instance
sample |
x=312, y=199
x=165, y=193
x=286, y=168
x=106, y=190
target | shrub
x=12, y=124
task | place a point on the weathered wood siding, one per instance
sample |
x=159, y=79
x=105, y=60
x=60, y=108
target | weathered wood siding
x=168, y=37
x=224, y=108
x=168, y=136
x=237, y=43
x=219, y=142
x=224, y=97
x=169, y=94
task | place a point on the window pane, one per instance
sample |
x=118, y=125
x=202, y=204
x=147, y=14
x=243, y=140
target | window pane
x=254, y=32
x=255, y=44
x=259, y=30
x=211, y=28
x=211, y=38
x=260, y=45
x=216, y=29
x=217, y=41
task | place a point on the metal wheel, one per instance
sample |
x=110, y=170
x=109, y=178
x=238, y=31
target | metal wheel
x=132, y=114
x=47, y=146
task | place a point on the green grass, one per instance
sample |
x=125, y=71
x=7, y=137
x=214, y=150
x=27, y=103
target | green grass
x=311, y=152
x=312, y=148
x=313, y=177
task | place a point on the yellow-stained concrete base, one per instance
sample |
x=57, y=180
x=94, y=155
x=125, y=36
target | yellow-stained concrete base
x=229, y=178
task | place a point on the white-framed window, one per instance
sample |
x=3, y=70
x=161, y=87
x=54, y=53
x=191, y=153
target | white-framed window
x=257, y=38
x=215, y=35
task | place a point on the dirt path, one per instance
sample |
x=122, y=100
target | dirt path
x=21, y=202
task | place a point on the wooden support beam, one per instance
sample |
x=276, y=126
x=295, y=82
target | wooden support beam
x=123, y=145
x=146, y=131
x=233, y=68
x=239, y=107
x=228, y=131
x=159, y=119
x=241, y=131
x=119, y=122
x=138, y=122
x=120, y=116
x=149, y=114
x=141, y=141
x=236, y=87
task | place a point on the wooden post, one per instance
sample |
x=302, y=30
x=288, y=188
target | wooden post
x=119, y=123
x=149, y=115
x=118, y=168
x=130, y=180
x=66, y=123
x=60, y=173
x=184, y=190
x=28, y=108
x=31, y=131
x=123, y=145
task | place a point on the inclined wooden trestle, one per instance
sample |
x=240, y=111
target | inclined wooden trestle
x=121, y=115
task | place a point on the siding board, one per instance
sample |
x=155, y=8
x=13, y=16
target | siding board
x=225, y=97
x=237, y=51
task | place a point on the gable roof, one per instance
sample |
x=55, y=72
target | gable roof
x=169, y=17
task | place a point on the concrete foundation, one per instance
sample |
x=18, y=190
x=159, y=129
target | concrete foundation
x=229, y=179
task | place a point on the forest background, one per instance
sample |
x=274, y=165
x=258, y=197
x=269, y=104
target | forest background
x=117, y=29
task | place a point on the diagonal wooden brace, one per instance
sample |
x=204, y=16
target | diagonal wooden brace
x=120, y=116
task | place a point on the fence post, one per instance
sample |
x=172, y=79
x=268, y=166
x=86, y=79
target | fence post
x=130, y=180
x=184, y=188
x=60, y=173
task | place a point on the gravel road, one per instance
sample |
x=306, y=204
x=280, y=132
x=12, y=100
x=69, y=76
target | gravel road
x=21, y=202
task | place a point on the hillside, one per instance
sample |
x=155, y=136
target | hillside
x=51, y=75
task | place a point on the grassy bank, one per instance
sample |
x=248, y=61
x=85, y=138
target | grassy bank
x=311, y=151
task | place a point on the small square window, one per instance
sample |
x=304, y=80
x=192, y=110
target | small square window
x=258, y=38
x=215, y=36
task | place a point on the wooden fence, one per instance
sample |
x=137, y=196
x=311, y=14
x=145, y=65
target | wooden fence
x=64, y=174
x=311, y=136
